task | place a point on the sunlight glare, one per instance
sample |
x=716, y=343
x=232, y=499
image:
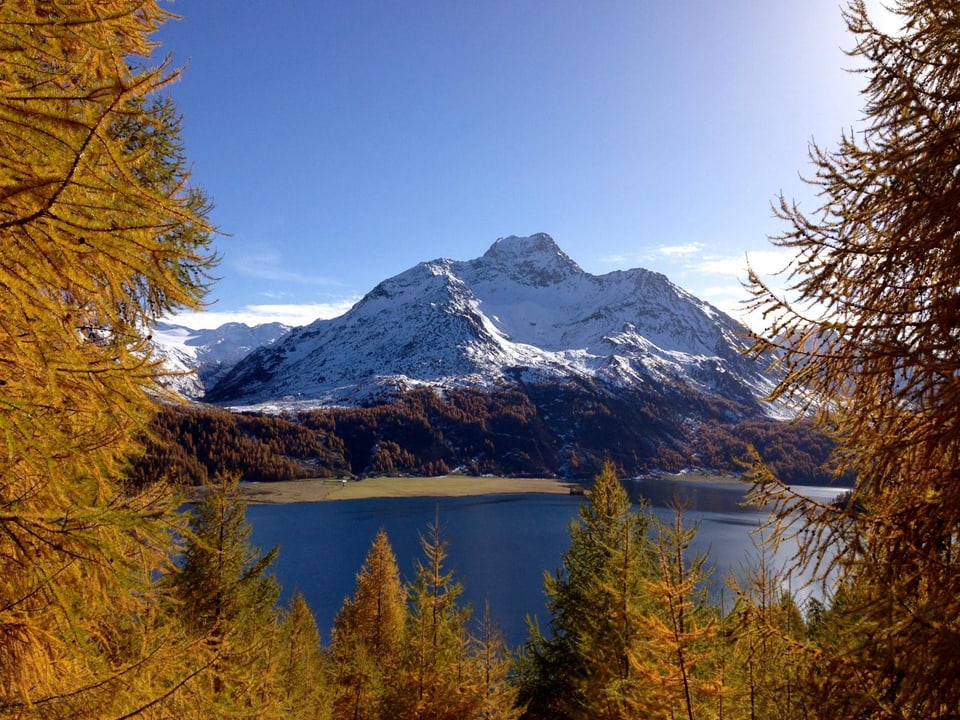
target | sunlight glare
x=883, y=18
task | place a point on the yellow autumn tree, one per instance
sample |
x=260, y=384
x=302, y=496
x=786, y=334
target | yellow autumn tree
x=101, y=234
x=766, y=654
x=300, y=665
x=498, y=690
x=226, y=598
x=870, y=344
x=589, y=665
x=679, y=653
x=367, y=633
x=437, y=678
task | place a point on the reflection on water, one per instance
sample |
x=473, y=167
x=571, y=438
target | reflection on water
x=499, y=545
x=713, y=496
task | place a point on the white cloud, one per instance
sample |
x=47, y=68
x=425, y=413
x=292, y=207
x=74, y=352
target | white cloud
x=269, y=266
x=654, y=254
x=619, y=260
x=685, y=249
x=728, y=272
x=771, y=262
x=732, y=265
x=764, y=262
x=289, y=314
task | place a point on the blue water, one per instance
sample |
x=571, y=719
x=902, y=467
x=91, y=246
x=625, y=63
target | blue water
x=499, y=545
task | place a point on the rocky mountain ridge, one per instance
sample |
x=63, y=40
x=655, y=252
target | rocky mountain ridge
x=522, y=313
x=197, y=359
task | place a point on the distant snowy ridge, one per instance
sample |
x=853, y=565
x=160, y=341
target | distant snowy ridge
x=197, y=359
x=524, y=311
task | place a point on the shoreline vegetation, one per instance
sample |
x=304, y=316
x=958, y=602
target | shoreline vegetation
x=328, y=489
x=325, y=489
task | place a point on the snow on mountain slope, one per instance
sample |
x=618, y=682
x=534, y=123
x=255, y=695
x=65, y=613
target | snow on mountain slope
x=197, y=359
x=522, y=310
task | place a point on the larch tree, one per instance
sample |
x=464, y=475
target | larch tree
x=438, y=677
x=101, y=234
x=367, y=634
x=680, y=653
x=301, y=665
x=767, y=653
x=498, y=690
x=586, y=667
x=869, y=342
x=227, y=602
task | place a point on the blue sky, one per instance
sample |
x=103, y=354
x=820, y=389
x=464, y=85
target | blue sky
x=343, y=142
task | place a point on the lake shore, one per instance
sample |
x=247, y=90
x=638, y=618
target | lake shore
x=321, y=490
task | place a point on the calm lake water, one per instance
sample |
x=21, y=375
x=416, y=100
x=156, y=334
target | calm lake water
x=499, y=545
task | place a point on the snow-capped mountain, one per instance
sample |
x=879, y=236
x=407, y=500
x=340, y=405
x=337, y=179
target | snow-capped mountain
x=524, y=311
x=197, y=359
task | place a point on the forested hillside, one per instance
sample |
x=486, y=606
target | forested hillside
x=470, y=431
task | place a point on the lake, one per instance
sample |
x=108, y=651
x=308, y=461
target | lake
x=499, y=545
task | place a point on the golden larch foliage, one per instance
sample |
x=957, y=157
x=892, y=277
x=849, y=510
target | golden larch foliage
x=870, y=344
x=100, y=234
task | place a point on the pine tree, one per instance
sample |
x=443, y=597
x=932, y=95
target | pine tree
x=367, y=633
x=101, y=234
x=498, y=690
x=871, y=346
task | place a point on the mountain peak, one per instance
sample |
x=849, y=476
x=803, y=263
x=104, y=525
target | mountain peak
x=523, y=312
x=536, y=260
x=515, y=244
